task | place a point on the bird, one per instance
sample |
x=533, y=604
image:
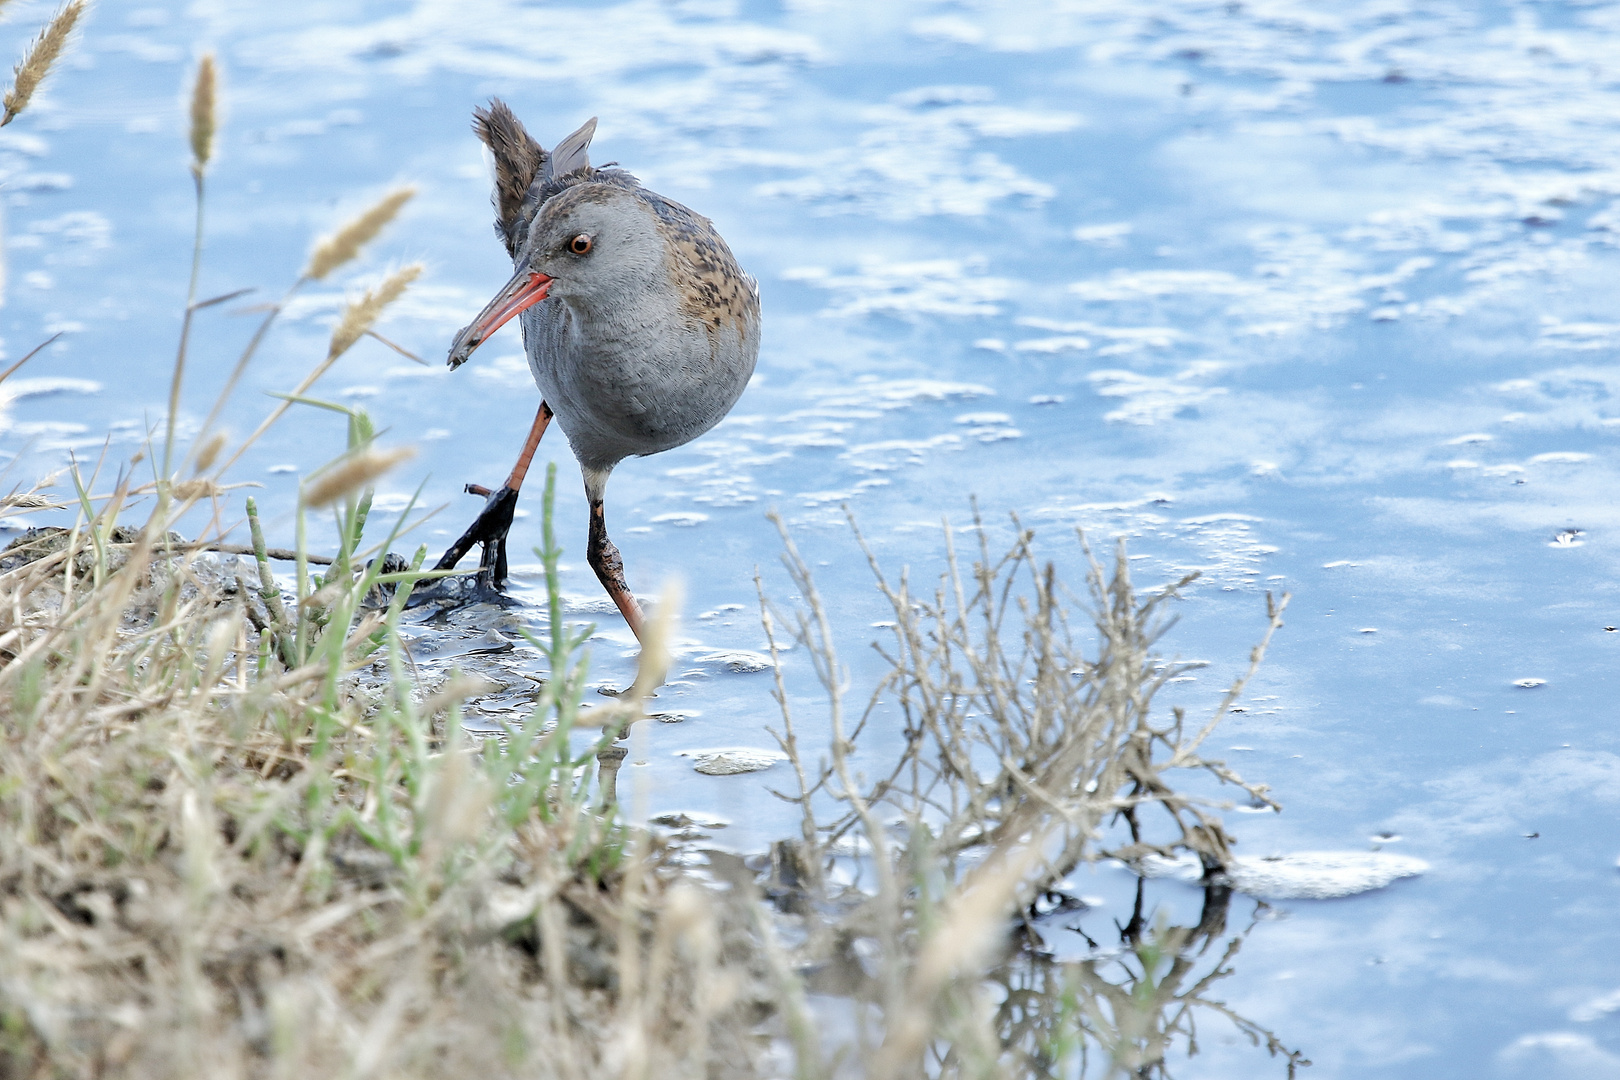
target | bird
x=641, y=329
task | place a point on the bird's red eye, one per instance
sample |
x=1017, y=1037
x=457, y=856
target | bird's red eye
x=580, y=244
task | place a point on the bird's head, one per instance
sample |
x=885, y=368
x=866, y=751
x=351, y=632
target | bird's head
x=591, y=244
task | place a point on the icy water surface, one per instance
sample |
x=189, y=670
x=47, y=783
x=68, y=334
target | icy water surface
x=1311, y=297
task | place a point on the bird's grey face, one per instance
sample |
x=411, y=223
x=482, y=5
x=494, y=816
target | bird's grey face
x=592, y=243
x=593, y=240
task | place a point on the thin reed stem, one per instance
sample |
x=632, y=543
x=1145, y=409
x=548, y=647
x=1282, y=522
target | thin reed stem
x=360, y=313
x=185, y=340
x=202, y=148
x=245, y=358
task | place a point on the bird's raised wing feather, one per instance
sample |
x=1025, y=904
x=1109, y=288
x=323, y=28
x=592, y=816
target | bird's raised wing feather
x=571, y=154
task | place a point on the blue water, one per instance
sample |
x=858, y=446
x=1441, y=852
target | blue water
x=1317, y=298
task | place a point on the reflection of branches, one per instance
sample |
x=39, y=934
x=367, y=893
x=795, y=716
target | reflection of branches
x=1133, y=1005
x=1018, y=749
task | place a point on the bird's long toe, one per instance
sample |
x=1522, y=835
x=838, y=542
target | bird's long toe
x=489, y=531
x=494, y=521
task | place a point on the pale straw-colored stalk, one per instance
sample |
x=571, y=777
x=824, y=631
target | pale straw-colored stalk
x=330, y=253
x=973, y=926
x=202, y=140
x=357, y=317
x=36, y=63
x=208, y=452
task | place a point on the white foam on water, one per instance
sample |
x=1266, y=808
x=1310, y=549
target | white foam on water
x=1305, y=875
x=732, y=761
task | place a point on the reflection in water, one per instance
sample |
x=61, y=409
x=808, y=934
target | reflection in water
x=1123, y=1011
x=1117, y=1010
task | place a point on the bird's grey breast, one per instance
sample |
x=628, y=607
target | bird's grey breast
x=657, y=360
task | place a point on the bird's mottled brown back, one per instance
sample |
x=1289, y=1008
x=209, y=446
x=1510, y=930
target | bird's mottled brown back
x=714, y=289
x=518, y=158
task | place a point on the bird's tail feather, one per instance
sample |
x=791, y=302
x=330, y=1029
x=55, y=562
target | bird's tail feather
x=518, y=160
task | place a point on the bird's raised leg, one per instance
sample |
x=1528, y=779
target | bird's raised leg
x=604, y=557
x=495, y=520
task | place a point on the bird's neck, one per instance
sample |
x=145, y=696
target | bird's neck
x=633, y=307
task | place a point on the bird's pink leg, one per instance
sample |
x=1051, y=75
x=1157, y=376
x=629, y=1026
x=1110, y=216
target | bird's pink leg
x=542, y=420
x=604, y=559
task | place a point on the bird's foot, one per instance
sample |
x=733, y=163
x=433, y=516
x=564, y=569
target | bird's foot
x=489, y=529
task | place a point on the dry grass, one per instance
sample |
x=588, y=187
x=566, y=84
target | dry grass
x=38, y=60
x=345, y=244
x=203, y=121
x=241, y=839
x=233, y=851
x=360, y=315
x=1020, y=750
x=353, y=472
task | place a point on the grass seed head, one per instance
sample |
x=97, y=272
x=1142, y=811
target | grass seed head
x=188, y=490
x=359, y=316
x=353, y=473
x=202, y=114
x=38, y=60
x=335, y=250
x=210, y=451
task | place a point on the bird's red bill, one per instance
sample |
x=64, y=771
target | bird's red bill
x=525, y=290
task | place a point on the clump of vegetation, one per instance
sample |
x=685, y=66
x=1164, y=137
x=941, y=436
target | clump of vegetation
x=240, y=838
x=1011, y=729
x=1019, y=750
